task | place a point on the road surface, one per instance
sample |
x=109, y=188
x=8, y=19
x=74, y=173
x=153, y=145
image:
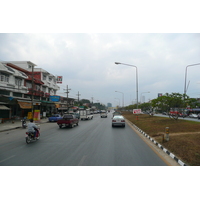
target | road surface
x=93, y=143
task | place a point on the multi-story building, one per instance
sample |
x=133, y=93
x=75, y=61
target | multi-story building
x=109, y=105
x=22, y=85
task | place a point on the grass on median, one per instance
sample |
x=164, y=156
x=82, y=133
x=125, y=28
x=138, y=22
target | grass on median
x=184, y=136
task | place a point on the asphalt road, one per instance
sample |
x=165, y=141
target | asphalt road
x=92, y=143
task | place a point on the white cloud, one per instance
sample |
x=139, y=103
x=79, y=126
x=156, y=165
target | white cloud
x=86, y=61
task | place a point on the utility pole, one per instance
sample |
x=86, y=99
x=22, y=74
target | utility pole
x=78, y=96
x=32, y=83
x=67, y=91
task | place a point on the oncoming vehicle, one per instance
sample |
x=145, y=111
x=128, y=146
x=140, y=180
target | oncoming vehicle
x=118, y=120
x=180, y=112
x=193, y=112
x=192, y=115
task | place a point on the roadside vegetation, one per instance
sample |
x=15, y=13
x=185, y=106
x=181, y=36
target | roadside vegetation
x=184, y=136
x=168, y=102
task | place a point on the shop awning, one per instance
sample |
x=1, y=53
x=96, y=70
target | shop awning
x=2, y=107
x=63, y=108
x=47, y=102
x=25, y=104
x=57, y=105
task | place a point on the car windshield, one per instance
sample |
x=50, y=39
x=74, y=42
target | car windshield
x=68, y=116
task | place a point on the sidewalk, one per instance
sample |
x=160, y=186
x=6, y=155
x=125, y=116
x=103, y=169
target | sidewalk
x=14, y=124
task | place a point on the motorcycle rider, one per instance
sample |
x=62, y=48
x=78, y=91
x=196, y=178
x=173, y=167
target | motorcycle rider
x=32, y=127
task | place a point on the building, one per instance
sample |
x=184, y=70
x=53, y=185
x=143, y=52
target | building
x=24, y=88
x=109, y=105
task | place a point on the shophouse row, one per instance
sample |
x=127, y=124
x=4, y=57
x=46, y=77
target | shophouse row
x=25, y=88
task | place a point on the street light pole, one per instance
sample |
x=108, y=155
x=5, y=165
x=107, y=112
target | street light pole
x=186, y=77
x=122, y=98
x=118, y=63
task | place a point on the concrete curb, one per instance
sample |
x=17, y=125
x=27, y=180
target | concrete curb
x=159, y=145
x=8, y=129
x=16, y=127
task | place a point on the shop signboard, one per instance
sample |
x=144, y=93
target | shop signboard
x=54, y=98
x=59, y=79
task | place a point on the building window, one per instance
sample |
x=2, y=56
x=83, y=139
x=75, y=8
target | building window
x=50, y=79
x=18, y=81
x=44, y=89
x=44, y=77
x=28, y=85
x=15, y=94
x=4, y=92
x=4, y=77
x=37, y=87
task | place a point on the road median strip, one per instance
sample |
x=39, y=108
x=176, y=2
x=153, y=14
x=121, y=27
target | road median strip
x=159, y=145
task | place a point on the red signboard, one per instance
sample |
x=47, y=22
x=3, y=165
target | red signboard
x=59, y=79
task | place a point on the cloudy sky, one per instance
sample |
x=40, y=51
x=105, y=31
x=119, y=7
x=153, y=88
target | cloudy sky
x=87, y=62
x=86, y=57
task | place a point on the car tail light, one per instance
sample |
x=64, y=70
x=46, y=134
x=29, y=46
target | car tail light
x=122, y=120
x=114, y=120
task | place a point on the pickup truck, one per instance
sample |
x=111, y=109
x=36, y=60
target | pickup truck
x=68, y=121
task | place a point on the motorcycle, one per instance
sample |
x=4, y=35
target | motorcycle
x=24, y=125
x=30, y=136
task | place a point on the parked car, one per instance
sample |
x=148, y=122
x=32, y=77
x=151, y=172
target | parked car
x=193, y=115
x=55, y=118
x=118, y=120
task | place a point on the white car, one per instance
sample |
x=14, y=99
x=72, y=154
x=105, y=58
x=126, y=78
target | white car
x=193, y=115
x=118, y=120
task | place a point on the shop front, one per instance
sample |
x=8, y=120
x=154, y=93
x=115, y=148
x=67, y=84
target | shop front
x=5, y=113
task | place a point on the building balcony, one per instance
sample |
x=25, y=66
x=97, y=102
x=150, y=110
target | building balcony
x=36, y=92
x=41, y=93
x=47, y=94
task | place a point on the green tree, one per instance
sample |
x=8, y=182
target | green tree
x=170, y=101
x=145, y=106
